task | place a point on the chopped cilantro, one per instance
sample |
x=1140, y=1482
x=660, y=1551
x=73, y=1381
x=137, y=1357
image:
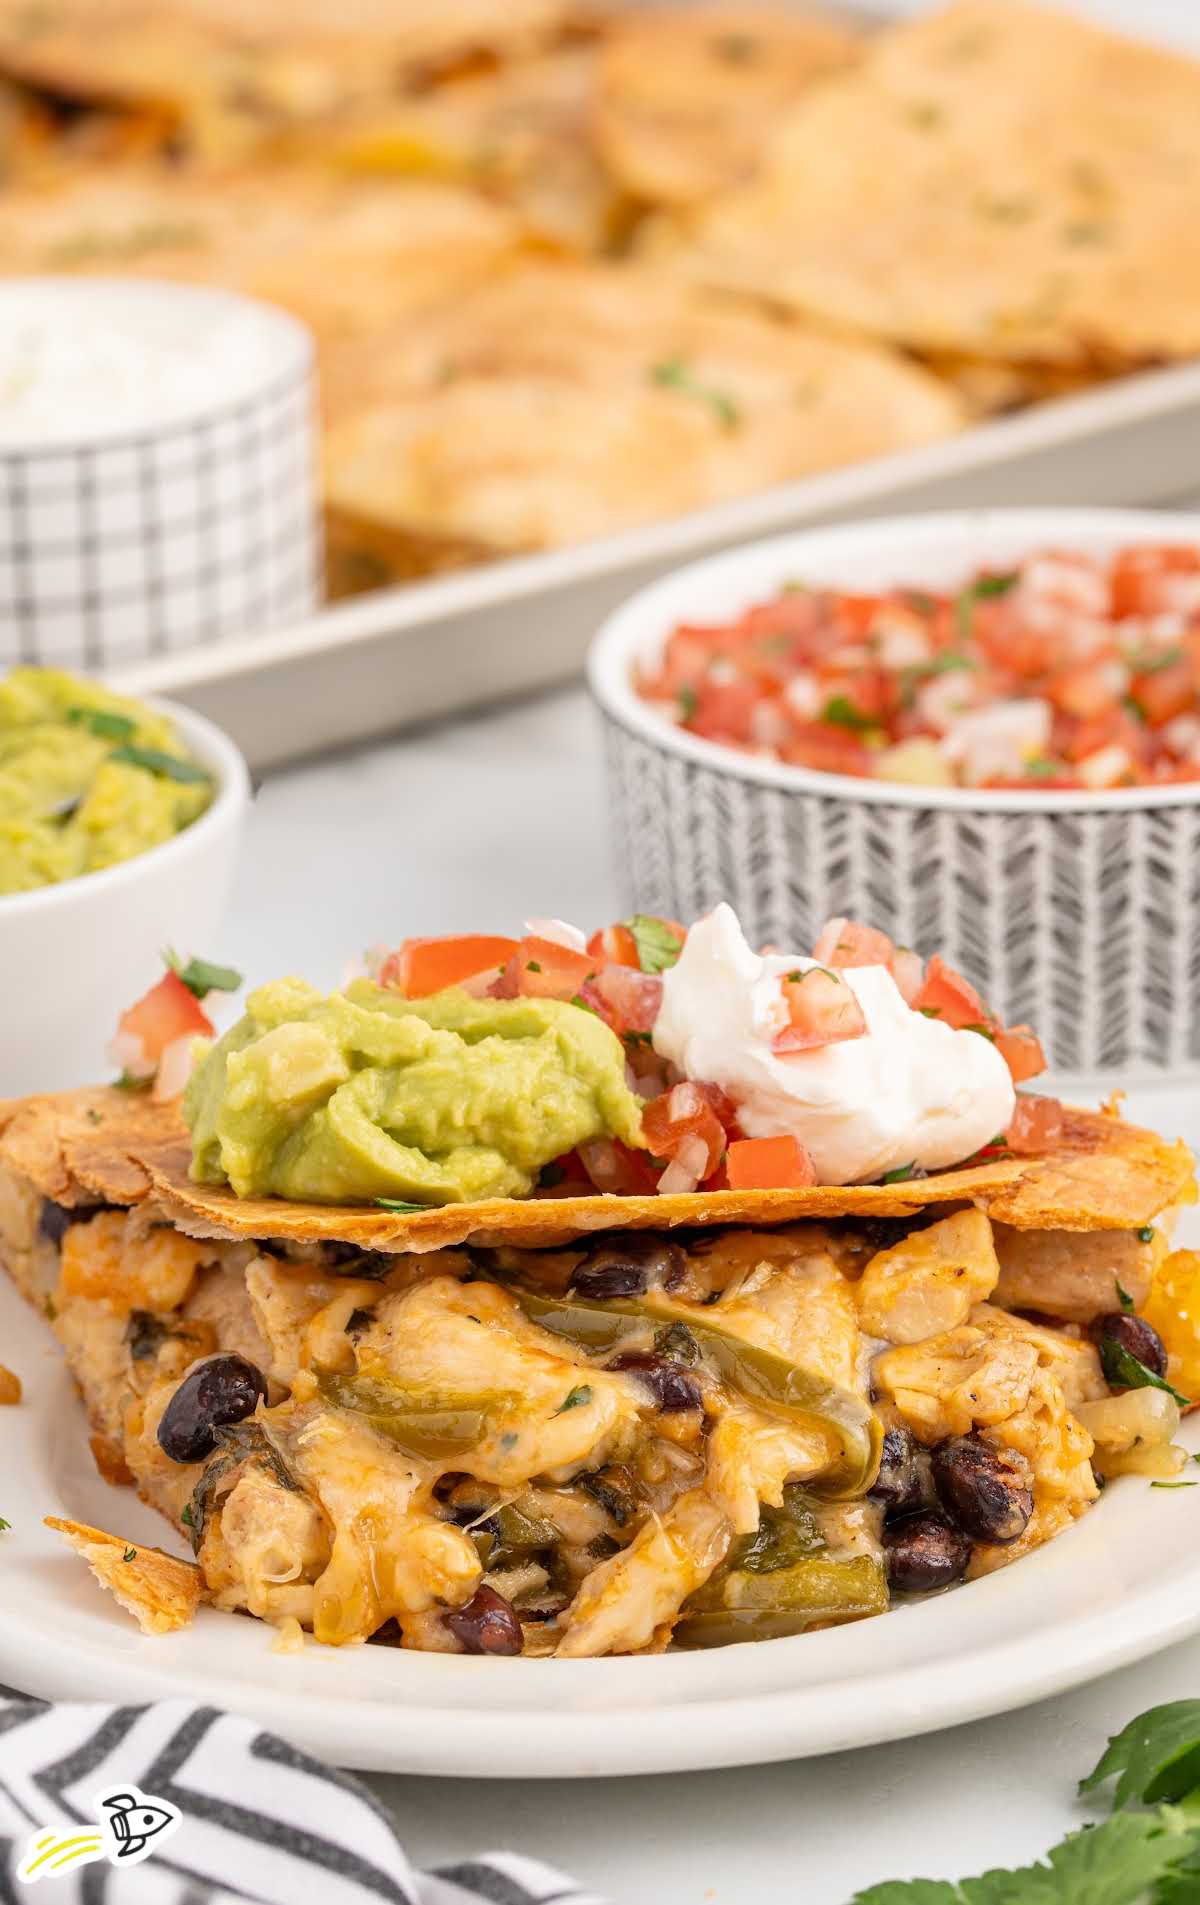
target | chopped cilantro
x=637, y=1038
x=4, y=1525
x=979, y=591
x=984, y=1031
x=127, y=1082
x=899, y=1176
x=1123, y=1371
x=1041, y=767
x=168, y=766
x=1124, y=1299
x=130, y=1554
x=673, y=374
x=201, y=976
x=93, y=1116
x=185, y=1515
x=929, y=1011
x=658, y=945
x=840, y=712
x=1146, y=1234
x=579, y=1000
x=687, y=702
x=575, y=1399
x=103, y=722
x=1156, y=664
x=1175, y=1484
x=398, y=1203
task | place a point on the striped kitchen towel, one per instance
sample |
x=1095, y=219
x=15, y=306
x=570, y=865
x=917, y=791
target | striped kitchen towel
x=179, y=1804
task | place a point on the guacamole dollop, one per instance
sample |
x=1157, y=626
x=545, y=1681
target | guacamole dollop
x=365, y=1094
x=87, y=778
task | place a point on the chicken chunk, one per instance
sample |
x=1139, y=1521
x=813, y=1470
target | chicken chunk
x=929, y=1281
x=265, y=1549
x=804, y=1310
x=624, y=1602
x=965, y=1378
x=752, y=1455
x=1074, y=1274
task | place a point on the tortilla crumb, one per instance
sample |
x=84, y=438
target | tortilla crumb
x=160, y=1592
x=10, y=1387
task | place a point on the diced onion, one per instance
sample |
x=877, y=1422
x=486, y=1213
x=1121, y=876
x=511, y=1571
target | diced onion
x=174, y=1069
x=677, y=1178
x=128, y=1054
x=559, y=932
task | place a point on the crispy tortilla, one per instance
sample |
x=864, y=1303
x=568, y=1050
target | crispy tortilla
x=562, y=402
x=996, y=179
x=1108, y=1176
x=160, y=1592
x=687, y=97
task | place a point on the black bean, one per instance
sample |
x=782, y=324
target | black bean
x=628, y=1266
x=1134, y=1334
x=900, y=1484
x=486, y=1625
x=984, y=1490
x=218, y=1391
x=923, y=1552
x=55, y=1220
x=670, y=1385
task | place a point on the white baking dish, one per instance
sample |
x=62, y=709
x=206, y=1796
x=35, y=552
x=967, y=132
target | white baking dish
x=1076, y=913
x=405, y=655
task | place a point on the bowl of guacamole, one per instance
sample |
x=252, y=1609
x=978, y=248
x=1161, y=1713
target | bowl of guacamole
x=119, y=826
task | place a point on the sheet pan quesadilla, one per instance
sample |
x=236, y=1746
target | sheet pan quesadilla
x=573, y=1422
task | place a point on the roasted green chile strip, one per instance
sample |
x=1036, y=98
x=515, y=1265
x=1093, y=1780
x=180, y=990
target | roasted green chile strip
x=763, y=1377
x=430, y=1428
x=740, y=1605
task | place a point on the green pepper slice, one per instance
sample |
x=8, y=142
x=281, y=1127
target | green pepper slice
x=739, y=1605
x=763, y=1377
x=428, y=1427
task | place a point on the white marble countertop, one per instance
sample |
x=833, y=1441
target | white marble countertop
x=476, y=824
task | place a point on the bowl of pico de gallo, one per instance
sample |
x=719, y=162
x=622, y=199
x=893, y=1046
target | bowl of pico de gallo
x=978, y=729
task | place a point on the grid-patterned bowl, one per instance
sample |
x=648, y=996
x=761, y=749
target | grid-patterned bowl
x=122, y=542
x=1079, y=914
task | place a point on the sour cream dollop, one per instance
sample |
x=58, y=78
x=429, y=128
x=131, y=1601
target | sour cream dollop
x=911, y=1091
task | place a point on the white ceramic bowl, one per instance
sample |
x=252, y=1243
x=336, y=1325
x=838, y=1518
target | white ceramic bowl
x=1079, y=913
x=73, y=956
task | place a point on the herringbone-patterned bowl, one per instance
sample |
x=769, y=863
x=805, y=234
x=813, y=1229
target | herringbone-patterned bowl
x=1076, y=913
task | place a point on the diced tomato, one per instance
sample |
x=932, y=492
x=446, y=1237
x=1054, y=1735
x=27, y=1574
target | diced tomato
x=628, y=1001
x=614, y=946
x=856, y=614
x=1117, y=728
x=769, y=1164
x=165, y=1014
x=721, y=1103
x=822, y=1010
x=1021, y=1049
x=908, y=970
x=1162, y=693
x=1037, y=1126
x=683, y=1127
x=542, y=969
x=1146, y=580
x=842, y=942
x=948, y=996
x=615, y=1168
x=826, y=751
x=420, y=967
x=1082, y=692
x=724, y=710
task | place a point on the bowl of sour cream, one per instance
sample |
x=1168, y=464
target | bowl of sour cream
x=157, y=460
x=1073, y=908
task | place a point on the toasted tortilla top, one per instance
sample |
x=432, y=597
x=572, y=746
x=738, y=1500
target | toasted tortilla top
x=101, y=1144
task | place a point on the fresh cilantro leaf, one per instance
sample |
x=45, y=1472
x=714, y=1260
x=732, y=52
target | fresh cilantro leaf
x=1156, y=663
x=984, y=1031
x=1175, y=1484
x=575, y=1399
x=1157, y=1756
x=1124, y=1371
x=104, y=722
x=898, y=1177
x=397, y=1203
x=910, y=1892
x=130, y=1554
x=168, y=766
x=674, y=374
x=637, y=1038
x=929, y=1011
x=658, y=945
x=127, y=1082
x=978, y=591
x=4, y=1525
x=185, y=1515
x=840, y=712
x=1124, y=1299
x=201, y=976
x=687, y=702
x=1111, y=1864
x=1146, y=1234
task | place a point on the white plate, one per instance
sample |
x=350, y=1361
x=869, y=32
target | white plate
x=1123, y=1582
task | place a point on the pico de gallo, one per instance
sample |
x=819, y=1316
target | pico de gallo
x=1064, y=671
